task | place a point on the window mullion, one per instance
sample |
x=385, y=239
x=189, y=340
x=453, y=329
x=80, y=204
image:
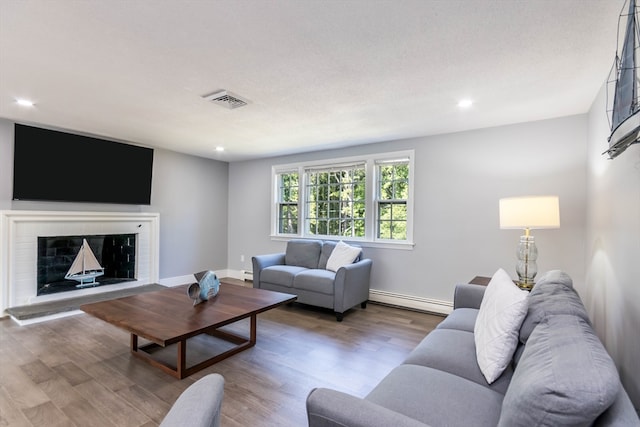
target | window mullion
x=370, y=210
x=302, y=197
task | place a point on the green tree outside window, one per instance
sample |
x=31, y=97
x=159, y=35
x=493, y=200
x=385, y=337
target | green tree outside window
x=336, y=202
x=393, y=194
x=288, y=187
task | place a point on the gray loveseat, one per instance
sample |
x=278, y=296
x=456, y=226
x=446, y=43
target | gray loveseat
x=560, y=374
x=301, y=270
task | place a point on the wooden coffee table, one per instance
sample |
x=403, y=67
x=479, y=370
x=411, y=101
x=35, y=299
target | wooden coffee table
x=168, y=317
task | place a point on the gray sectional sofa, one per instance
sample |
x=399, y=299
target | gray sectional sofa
x=199, y=405
x=301, y=270
x=560, y=374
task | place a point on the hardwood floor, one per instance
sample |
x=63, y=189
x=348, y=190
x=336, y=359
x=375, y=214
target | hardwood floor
x=78, y=371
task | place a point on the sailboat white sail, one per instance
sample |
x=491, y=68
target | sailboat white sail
x=625, y=111
x=85, y=267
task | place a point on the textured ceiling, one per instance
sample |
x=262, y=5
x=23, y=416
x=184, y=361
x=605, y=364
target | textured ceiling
x=318, y=74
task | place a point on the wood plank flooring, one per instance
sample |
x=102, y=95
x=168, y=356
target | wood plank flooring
x=78, y=371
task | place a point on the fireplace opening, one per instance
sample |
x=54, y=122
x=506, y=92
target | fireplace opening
x=115, y=254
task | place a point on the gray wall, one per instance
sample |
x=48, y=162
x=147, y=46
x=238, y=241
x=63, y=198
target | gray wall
x=612, y=289
x=458, y=181
x=189, y=192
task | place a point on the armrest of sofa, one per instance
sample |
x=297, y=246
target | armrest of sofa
x=467, y=295
x=352, y=284
x=199, y=405
x=620, y=413
x=261, y=262
x=330, y=408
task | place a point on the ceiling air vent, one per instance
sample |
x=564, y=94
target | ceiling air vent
x=226, y=99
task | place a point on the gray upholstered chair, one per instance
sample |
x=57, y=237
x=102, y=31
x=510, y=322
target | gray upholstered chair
x=301, y=270
x=199, y=405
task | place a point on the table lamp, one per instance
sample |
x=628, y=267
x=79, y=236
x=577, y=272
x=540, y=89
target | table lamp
x=527, y=213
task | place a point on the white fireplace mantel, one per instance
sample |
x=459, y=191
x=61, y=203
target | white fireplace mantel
x=19, y=232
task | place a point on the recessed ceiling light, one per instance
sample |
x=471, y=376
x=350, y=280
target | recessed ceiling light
x=219, y=149
x=24, y=102
x=465, y=103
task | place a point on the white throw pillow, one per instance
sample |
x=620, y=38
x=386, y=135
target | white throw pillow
x=342, y=255
x=501, y=313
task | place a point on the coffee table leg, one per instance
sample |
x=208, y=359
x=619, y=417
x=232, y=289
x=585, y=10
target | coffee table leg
x=134, y=342
x=252, y=332
x=182, y=359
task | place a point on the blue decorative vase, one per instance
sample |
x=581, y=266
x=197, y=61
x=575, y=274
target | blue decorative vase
x=207, y=287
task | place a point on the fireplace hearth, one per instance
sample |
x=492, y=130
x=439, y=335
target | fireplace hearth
x=116, y=253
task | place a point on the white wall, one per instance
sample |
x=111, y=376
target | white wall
x=189, y=192
x=612, y=289
x=458, y=181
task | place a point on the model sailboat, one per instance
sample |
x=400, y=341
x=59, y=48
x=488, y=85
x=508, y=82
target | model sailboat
x=85, y=267
x=625, y=111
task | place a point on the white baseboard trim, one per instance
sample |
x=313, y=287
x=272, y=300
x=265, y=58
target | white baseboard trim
x=189, y=278
x=177, y=280
x=237, y=274
x=226, y=273
x=412, y=302
x=383, y=297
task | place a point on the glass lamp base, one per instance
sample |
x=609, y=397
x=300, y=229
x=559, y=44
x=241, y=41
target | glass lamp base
x=525, y=286
x=526, y=266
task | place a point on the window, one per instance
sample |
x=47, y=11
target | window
x=288, y=188
x=391, y=203
x=335, y=201
x=368, y=200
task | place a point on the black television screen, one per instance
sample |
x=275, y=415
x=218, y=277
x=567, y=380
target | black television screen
x=59, y=166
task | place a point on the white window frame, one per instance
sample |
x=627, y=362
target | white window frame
x=371, y=161
x=377, y=200
x=278, y=202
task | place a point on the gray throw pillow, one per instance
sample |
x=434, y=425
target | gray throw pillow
x=303, y=253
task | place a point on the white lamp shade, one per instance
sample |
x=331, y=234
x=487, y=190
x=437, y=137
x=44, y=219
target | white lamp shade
x=530, y=212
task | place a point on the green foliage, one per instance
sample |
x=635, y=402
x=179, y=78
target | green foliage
x=288, y=203
x=289, y=187
x=288, y=219
x=393, y=193
x=336, y=201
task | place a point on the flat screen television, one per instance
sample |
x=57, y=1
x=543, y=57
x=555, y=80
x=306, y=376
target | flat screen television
x=58, y=166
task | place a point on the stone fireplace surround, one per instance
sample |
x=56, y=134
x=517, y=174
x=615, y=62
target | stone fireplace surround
x=19, y=232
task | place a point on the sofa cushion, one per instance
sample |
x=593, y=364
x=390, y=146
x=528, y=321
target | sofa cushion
x=553, y=294
x=303, y=253
x=454, y=351
x=315, y=280
x=437, y=398
x=280, y=274
x=564, y=377
x=463, y=319
x=502, y=310
x=342, y=255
